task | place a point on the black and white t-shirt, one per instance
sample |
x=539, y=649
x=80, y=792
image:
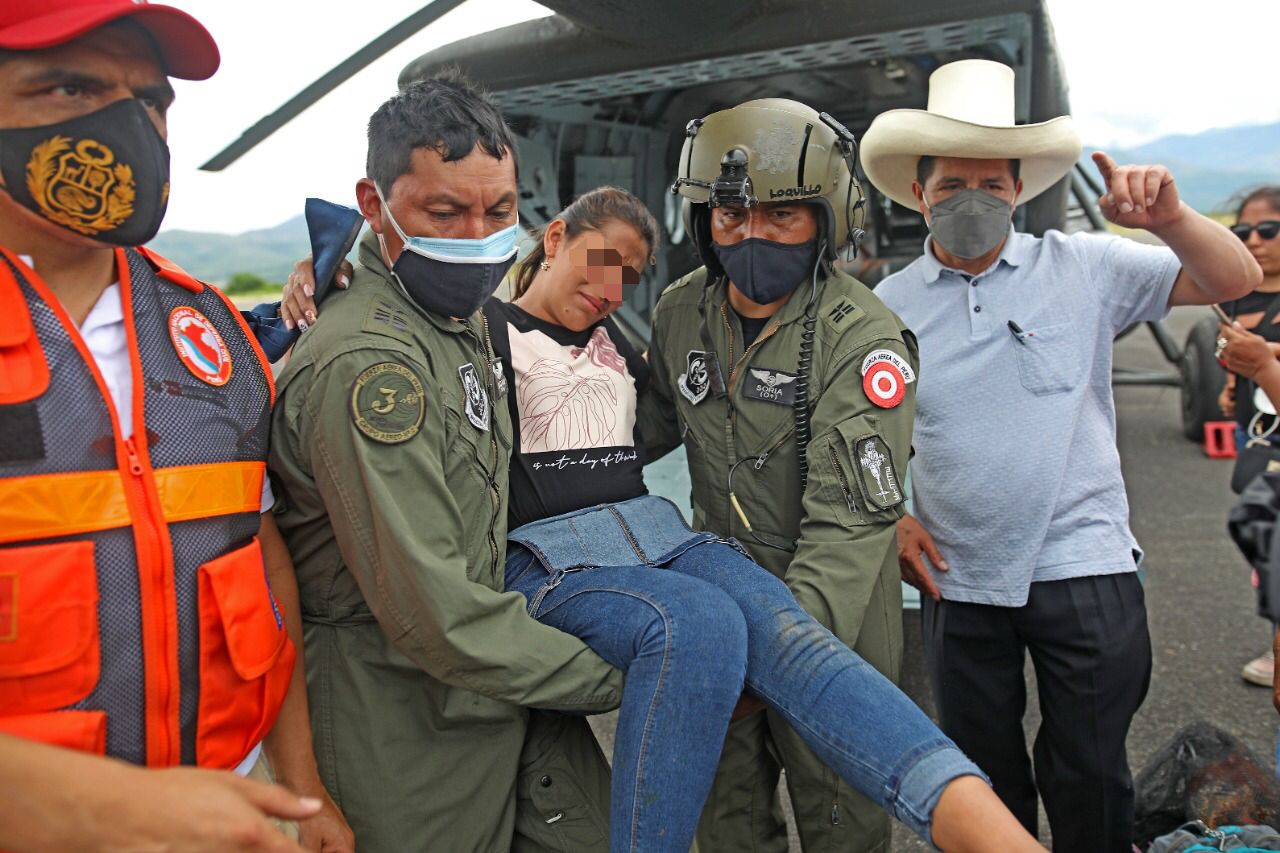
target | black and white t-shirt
x=573, y=410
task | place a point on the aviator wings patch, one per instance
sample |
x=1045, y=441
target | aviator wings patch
x=771, y=386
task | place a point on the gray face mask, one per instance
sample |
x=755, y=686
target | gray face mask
x=970, y=223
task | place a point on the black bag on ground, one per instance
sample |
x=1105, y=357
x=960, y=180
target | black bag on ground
x=1203, y=774
x=1196, y=836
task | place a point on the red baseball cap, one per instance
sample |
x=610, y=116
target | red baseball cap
x=186, y=48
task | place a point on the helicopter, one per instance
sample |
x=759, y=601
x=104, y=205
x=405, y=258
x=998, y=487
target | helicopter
x=601, y=93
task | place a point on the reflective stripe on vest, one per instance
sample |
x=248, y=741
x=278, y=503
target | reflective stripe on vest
x=135, y=614
x=51, y=505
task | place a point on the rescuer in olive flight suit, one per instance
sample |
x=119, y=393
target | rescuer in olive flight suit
x=792, y=389
x=390, y=445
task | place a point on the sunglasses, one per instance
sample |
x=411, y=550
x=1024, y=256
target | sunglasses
x=1266, y=230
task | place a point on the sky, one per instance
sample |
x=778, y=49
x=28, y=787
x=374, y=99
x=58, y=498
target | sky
x=1137, y=70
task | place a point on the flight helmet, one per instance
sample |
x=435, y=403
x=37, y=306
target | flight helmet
x=770, y=150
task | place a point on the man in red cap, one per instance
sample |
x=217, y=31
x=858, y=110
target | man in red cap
x=148, y=608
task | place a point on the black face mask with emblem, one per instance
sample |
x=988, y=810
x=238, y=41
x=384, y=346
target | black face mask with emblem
x=104, y=175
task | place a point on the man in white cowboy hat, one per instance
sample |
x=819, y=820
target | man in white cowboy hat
x=1017, y=476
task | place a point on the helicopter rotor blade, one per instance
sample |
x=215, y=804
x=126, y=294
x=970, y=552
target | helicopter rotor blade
x=335, y=77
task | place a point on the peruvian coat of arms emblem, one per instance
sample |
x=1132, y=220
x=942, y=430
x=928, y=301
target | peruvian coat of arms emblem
x=81, y=187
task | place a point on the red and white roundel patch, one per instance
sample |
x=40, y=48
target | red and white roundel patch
x=884, y=385
x=199, y=346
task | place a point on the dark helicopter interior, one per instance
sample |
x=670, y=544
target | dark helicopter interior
x=625, y=126
x=601, y=92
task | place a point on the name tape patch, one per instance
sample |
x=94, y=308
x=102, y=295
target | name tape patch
x=771, y=386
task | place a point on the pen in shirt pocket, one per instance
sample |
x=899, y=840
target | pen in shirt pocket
x=1018, y=335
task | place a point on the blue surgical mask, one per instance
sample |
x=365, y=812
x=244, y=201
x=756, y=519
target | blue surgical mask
x=450, y=276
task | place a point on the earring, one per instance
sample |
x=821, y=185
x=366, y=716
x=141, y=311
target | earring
x=544, y=266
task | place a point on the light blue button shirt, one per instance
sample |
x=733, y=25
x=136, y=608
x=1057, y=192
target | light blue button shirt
x=1016, y=473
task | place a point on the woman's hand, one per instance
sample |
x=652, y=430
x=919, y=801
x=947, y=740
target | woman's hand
x=1245, y=353
x=297, y=301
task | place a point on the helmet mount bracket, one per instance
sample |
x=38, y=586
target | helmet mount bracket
x=733, y=187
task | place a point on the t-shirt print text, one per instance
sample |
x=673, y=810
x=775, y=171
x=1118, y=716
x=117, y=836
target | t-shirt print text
x=588, y=460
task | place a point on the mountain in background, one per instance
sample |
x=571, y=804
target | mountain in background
x=1211, y=168
x=266, y=252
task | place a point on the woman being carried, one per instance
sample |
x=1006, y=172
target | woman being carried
x=690, y=619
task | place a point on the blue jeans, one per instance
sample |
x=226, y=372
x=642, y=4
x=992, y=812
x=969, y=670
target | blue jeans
x=691, y=628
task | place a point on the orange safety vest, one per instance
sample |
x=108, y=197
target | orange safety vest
x=136, y=618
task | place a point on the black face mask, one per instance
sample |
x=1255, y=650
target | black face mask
x=448, y=289
x=451, y=277
x=763, y=270
x=104, y=175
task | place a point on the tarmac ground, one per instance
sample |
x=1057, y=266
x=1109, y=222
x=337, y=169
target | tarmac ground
x=1200, y=604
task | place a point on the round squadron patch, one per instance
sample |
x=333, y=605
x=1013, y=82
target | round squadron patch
x=199, y=346
x=885, y=377
x=884, y=386
x=388, y=403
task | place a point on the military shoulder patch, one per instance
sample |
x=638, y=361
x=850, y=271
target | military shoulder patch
x=384, y=318
x=878, y=476
x=388, y=403
x=701, y=376
x=475, y=397
x=885, y=377
x=839, y=313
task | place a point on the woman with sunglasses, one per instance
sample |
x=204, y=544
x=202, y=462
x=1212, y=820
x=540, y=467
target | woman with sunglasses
x=1258, y=225
x=690, y=619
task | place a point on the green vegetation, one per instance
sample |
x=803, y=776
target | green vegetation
x=243, y=285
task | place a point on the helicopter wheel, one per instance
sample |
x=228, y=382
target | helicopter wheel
x=1202, y=379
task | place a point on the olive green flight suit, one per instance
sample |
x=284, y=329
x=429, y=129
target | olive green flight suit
x=394, y=506
x=832, y=542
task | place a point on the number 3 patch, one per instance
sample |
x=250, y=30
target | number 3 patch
x=388, y=403
x=885, y=377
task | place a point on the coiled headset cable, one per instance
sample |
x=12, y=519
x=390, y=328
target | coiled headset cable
x=804, y=363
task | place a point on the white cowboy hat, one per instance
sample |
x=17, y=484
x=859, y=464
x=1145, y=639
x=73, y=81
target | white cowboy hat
x=970, y=114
